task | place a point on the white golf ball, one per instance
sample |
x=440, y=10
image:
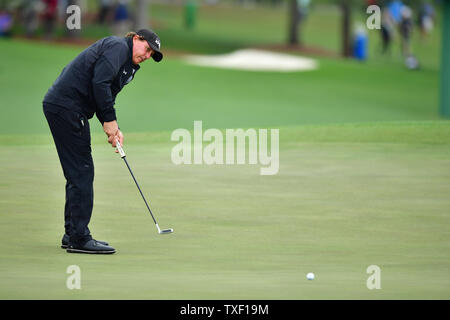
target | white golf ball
x=310, y=276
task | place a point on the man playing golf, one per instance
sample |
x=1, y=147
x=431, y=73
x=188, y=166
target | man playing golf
x=89, y=85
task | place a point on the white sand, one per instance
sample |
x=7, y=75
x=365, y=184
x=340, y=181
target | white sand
x=256, y=60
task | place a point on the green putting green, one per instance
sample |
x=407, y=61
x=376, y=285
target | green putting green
x=363, y=180
x=374, y=194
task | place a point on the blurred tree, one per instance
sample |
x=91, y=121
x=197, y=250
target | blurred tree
x=445, y=64
x=142, y=18
x=293, y=23
x=298, y=10
x=346, y=9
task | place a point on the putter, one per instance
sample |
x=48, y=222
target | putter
x=123, y=156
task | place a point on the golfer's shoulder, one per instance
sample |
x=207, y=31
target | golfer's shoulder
x=115, y=44
x=115, y=49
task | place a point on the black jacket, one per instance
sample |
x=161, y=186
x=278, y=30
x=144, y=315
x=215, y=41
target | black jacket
x=90, y=83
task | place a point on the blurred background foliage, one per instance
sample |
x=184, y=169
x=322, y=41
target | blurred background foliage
x=309, y=27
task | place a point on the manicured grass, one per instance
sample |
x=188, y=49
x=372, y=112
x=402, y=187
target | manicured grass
x=375, y=194
x=172, y=94
x=363, y=180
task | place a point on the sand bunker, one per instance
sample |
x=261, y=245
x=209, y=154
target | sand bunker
x=256, y=60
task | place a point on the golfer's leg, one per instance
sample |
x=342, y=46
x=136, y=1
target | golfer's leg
x=81, y=199
x=68, y=225
x=72, y=140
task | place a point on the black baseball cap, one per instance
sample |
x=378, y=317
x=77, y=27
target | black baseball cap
x=153, y=41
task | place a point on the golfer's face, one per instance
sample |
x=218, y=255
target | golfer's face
x=141, y=50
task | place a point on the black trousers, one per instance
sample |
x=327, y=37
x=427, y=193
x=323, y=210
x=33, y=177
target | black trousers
x=71, y=133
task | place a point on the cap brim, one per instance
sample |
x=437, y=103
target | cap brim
x=157, y=56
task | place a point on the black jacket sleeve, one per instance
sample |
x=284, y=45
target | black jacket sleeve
x=99, y=117
x=104, y=75
x=105, y=70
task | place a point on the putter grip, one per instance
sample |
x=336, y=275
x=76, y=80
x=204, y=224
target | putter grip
x=119, y=148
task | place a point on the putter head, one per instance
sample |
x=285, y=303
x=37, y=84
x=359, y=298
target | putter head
x=165, y=231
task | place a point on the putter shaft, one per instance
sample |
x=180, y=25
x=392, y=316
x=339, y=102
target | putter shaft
x=123, y=156
x=137, y=185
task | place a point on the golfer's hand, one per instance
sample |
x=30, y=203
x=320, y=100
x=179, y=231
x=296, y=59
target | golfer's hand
x=111, y=128
x=119, y=137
